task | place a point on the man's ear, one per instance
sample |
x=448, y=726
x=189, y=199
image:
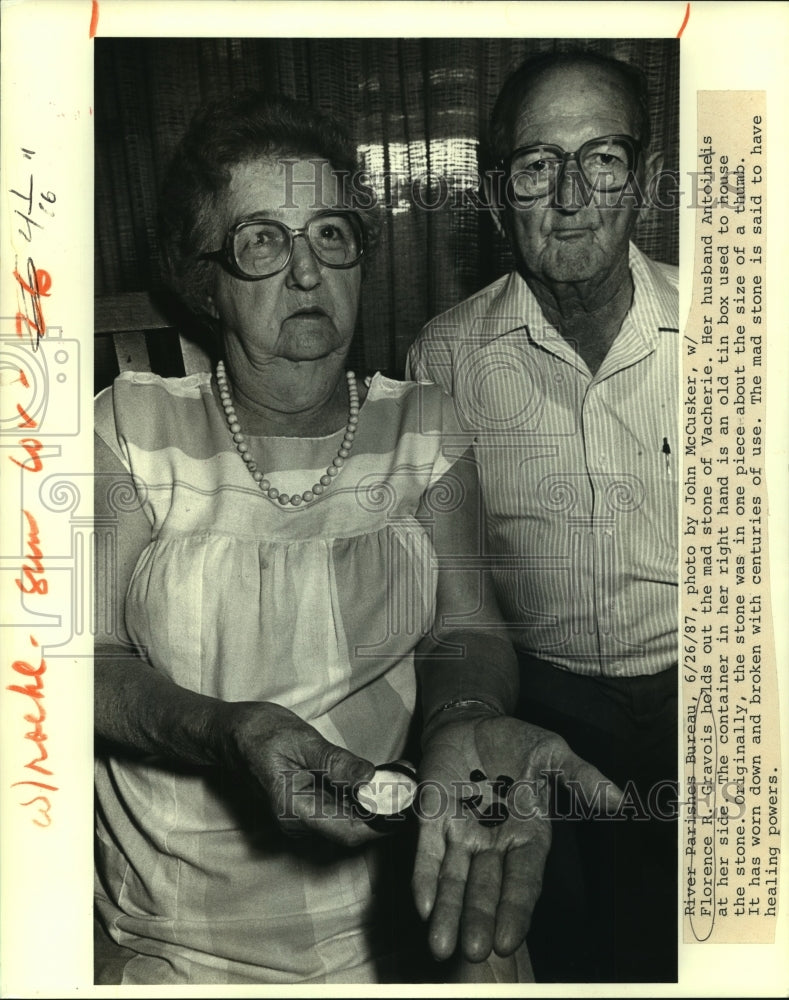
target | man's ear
x=651, y=171
x=492, y=190
x=653, y=166
x=210, y=307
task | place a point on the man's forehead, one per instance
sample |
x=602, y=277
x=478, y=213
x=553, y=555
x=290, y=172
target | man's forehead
x=567, y=96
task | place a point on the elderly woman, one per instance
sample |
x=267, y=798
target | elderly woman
x=283, y=577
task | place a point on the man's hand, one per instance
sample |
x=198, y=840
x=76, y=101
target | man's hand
x=485, y=828
x=305, y=779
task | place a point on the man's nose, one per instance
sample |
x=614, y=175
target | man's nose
x=570, y=193
x=304, y=270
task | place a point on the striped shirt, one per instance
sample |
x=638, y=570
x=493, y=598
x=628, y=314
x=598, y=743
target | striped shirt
x=578, y=470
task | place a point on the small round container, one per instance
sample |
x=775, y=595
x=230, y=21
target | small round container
x=387, y=799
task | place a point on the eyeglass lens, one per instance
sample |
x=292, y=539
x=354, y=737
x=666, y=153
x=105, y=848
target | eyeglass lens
x=263, y=246
x=604, y=163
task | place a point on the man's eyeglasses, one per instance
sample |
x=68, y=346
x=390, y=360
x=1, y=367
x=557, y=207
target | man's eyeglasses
x=260, y=248
x=605, y=164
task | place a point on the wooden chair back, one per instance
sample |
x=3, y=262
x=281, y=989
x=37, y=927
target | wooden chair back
x=132, y=333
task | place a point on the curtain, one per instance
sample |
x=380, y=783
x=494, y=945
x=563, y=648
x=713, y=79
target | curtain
x=416, y=109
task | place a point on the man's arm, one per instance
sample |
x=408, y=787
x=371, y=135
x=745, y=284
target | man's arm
x=485, y=827
x=468, y=654
x=429, y=358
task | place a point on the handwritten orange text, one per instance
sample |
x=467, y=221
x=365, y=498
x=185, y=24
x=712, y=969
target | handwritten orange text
x=33, y=580
x=31, y=445
x=34, y=690
x=34, y=208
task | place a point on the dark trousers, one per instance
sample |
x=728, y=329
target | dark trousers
x=608, y=911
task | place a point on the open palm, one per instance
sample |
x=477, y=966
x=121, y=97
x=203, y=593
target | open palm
x=485, y=829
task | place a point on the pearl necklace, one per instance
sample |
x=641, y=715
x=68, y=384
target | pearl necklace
x=269, y=491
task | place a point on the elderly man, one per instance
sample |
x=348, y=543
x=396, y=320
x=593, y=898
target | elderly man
x=566, y=370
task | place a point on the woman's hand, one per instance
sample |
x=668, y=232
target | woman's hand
x=485, y=828
x=305, y=779
x=302, y=777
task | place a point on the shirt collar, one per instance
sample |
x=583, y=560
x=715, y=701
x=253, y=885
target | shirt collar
x=654, y=309
x=656, y=299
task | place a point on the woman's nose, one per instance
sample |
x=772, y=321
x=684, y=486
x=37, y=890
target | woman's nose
x=304, y=270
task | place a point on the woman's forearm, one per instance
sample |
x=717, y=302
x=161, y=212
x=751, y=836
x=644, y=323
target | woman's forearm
x=301, y=777
x=139, y=709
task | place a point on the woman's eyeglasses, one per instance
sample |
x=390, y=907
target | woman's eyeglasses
x=260, y=248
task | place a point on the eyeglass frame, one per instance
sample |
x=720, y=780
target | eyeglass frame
x=225, y=255
x=636, y=148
